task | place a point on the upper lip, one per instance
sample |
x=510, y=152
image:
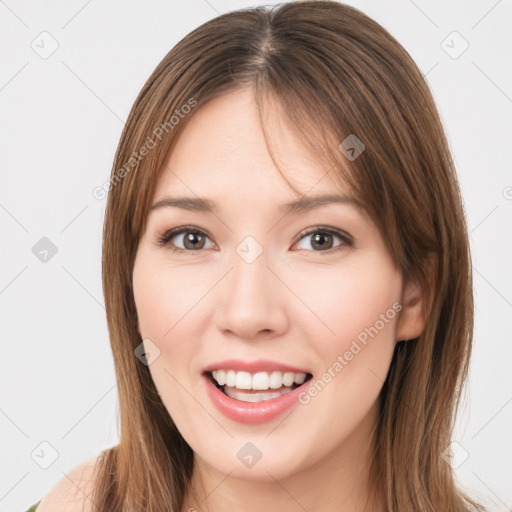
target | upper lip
x=261, y=365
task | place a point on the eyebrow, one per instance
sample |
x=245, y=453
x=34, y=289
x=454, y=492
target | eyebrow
x=301, y=205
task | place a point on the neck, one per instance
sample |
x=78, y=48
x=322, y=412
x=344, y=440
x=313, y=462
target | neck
x=338, y=482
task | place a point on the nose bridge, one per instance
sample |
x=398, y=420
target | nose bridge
x=251, y=300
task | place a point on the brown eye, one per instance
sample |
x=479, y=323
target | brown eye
x=185, y=239
x=323, y=239
x=193, y=240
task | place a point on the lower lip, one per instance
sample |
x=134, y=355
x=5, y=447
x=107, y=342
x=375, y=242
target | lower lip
x=252, y=413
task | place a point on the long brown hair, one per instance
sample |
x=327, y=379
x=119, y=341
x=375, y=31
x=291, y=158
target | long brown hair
x=334, y=73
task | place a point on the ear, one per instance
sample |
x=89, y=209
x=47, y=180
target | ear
x=411, y=322
x=415, y=301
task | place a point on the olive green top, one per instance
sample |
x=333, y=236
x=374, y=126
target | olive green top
x=33, y=507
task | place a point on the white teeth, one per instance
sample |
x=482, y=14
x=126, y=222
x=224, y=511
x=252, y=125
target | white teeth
x=276, y=380
x=231, y=378
x=243, y=380
x=300, y=378
x=288, y=379
x=258, y=381
x=245, y=396
x=220, y=377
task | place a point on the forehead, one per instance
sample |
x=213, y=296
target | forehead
x=221, y=153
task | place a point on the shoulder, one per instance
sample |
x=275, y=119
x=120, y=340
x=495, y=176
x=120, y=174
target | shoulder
x=73, y=492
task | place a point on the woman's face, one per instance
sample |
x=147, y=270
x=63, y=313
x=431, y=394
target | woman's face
x=250, y=282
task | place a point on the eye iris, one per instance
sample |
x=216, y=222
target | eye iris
x=191, y=237
x=318, y=241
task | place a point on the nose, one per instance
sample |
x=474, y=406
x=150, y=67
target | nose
x=251, y=300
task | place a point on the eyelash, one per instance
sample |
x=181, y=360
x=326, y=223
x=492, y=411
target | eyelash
x=164, y=240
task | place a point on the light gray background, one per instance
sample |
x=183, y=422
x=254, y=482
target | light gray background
x=61, y=118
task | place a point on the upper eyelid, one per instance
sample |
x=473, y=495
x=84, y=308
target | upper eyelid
x=326, y=229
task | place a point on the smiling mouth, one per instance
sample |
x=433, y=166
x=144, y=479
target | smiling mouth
x=256, y=395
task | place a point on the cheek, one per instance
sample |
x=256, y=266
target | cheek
x=360, y=305
x=352, y=302
x=166, y=299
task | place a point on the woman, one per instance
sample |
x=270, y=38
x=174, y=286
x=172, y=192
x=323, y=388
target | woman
x=287, y=277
